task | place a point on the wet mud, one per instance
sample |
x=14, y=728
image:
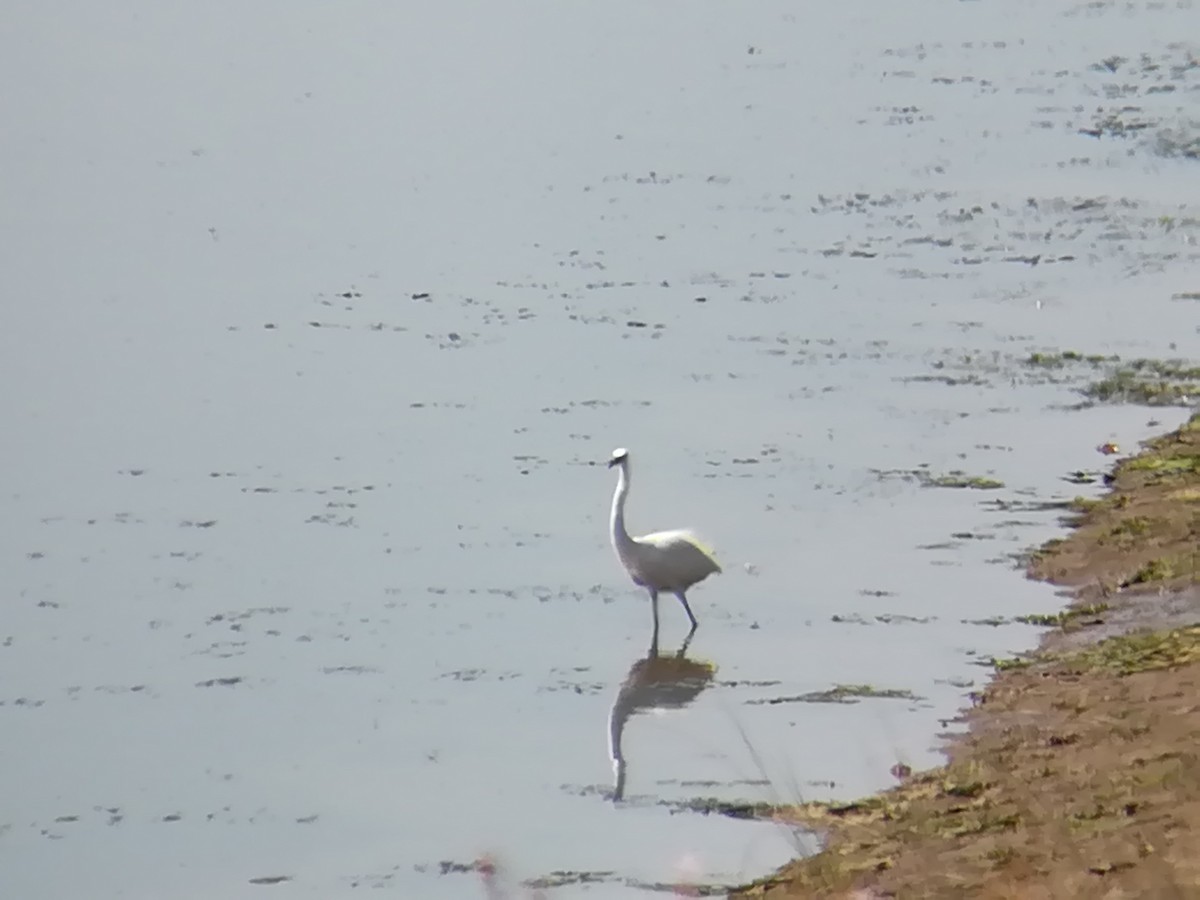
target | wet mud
x=1076, y=775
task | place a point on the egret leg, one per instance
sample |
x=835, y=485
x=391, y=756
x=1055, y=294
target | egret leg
x=652, y=653
x=687, y=609
x=686, y=641
x=654, y=608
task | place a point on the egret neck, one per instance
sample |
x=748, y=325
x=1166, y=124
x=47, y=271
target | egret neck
x=622, y=542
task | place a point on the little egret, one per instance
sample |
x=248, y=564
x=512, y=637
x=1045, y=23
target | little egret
x=663, y=561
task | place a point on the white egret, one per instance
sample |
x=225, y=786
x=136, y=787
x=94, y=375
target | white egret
x=663, y=561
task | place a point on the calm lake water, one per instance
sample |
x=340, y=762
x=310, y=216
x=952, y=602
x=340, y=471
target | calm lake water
x=322, y=319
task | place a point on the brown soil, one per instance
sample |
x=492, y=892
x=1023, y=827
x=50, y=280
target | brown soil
x=1080, y=772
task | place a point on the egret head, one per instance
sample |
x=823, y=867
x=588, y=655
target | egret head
x=619, y=457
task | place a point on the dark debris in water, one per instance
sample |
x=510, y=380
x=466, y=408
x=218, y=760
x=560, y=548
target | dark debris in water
x=120, y=688
x=564, y=877
x=690, y=889
x=882, y=619
x=228, y=681
x=586, y=790
x=1026, y=505
x=237, y=616
x=23, y=701
x=901, y=619
x=450, y=867
x=849, y=619
x=712, y=783
x=478, y=674
x=590, y=688
x=558, y=878
x=940, y=545
x=270, y=879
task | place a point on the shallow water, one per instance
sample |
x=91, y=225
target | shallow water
x=319, y=327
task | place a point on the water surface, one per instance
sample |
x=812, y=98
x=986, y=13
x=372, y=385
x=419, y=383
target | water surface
x=321, y=322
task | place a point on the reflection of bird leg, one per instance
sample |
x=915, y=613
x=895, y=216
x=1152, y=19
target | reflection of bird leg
x=687, y=609
x=618, y=793
x=687, y=640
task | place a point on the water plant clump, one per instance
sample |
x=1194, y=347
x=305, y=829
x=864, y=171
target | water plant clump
x=1150, y=382
x=955, y=478
x=1051, y=360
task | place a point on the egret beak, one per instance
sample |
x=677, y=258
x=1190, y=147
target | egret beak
x=613, y=462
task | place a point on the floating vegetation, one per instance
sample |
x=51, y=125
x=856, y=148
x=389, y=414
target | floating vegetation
x=841, y=693
x=1026, y=505
x=1177, y=142
x=221, y=682
x=955, y=478
x=1067, y=357
x=715, y=806
x=882, y=618
x=901, y=619
x=1098, y=377
x=1066, y=617
x=562, y=878
x=1009, y=663
x=958, y=479
x=1150, y=382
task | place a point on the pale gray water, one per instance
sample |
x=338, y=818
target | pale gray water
x=311, y=585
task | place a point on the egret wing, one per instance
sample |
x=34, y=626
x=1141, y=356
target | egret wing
x=666, y=539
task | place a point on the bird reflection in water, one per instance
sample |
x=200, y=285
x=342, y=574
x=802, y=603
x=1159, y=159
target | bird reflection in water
x=653, y=682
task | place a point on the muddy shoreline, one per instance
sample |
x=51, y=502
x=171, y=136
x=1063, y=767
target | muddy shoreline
x=1078, y=773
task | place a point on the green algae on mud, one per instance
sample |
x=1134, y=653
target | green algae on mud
x=1145, y=531
x=1142, y=652
x=1066, y=617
